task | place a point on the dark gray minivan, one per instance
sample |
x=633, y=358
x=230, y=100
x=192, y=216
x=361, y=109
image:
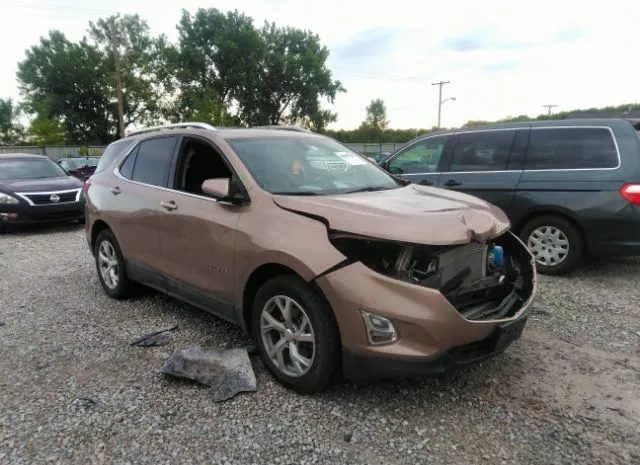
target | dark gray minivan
x=571, y=188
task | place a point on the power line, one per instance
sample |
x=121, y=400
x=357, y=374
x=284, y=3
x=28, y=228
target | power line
x=549, y=107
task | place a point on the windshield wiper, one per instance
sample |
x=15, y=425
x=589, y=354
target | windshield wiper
x=295, y=193
x=369, y=189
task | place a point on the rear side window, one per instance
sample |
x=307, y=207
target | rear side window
x=112, y=152
x=126, y=168
x=571, y=148
x=482, y=151
x=153, y=160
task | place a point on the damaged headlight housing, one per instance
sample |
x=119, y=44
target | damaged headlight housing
x=408, y=262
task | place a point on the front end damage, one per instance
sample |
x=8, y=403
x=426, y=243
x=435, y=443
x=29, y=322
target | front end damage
x=413, y=310
x=483, y=281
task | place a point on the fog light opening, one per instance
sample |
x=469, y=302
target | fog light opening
x=380, y=330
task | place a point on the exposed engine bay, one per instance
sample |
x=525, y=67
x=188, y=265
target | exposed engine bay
x=483, y=281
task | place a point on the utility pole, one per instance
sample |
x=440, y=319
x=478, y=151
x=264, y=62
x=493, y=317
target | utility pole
x=439, y=84
x=549, y=107
x=115, y=41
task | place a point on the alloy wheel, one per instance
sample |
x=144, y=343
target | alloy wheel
x=288, y=336
x=108, y=263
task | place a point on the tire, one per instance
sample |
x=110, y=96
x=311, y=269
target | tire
x=324, y=359
x=556, y=228
x=123, y=287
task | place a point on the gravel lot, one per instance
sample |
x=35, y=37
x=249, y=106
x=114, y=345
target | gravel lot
x=72, y=389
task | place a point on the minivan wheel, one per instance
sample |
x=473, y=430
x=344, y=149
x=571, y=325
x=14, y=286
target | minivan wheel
x=296, y=334
x=111, y=268
x=555, y=243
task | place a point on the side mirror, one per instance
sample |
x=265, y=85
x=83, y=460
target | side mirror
x=220, y=189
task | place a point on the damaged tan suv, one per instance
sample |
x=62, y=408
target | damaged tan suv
x=333, y=265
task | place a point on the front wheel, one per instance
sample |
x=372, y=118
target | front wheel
x=555, y=243
x=296, y=334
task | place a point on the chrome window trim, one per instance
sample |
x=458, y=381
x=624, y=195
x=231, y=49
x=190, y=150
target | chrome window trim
x=120, y=162
x=116, y=171
x=537, y=128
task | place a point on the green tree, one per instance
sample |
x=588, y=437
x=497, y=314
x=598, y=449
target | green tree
x=215, y=62
x=270, y=76
x=11, y=132
x=293, y=80
x=65, y=81
x=47, y=131
x=377, y=116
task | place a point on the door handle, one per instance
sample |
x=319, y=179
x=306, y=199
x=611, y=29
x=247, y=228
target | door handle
x=115, y=190
x=424, y=182
x=168, y=205
x=452, y=183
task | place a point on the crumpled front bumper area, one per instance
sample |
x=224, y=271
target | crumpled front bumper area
x=433, y=335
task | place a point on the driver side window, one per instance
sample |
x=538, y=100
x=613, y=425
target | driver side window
x=197, y=162
x=421, y=157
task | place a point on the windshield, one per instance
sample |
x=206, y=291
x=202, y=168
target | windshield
x=75, y=163
x=309, y=166
x=32, y=168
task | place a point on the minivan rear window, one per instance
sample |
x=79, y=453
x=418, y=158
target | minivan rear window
x=571, y=148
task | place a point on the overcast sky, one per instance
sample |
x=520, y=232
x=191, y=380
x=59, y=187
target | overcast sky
x=503, y=58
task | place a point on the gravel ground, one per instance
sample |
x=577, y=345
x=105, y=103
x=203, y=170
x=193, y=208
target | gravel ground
x=72, y=389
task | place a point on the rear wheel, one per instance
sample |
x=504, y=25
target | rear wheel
x=111, y=267
x=296, y=334
x=555, y=243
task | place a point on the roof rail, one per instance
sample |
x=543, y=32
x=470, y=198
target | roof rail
x=284, y=128
x=185, y=125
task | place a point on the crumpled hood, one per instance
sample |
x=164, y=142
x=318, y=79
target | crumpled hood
x=416, y=214
x=41, y=185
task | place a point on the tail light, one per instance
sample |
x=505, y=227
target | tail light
x=87, y=185
x=631, y=192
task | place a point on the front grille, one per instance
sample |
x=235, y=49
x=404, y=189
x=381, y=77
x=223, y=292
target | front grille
x=46, y=199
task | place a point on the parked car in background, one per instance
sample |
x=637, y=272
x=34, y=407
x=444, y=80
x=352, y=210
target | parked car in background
x=326, y=259
x=34, y=189
x=80, y=167
x=571, y=188
x=379, y=157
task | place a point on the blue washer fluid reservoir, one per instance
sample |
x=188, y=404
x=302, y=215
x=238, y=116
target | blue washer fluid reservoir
x=497, y=254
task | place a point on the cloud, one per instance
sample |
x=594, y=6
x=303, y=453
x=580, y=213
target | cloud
x=569, y=34
x=372, y=42
x=482, y=39
x=503, y=65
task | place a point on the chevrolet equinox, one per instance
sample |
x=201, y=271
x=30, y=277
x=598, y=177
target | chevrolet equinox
x=333, y=265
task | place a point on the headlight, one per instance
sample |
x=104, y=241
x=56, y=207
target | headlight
x=6, y=199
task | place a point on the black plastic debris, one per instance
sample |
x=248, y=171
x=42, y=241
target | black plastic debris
x=227, y=371
x=155, y=338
